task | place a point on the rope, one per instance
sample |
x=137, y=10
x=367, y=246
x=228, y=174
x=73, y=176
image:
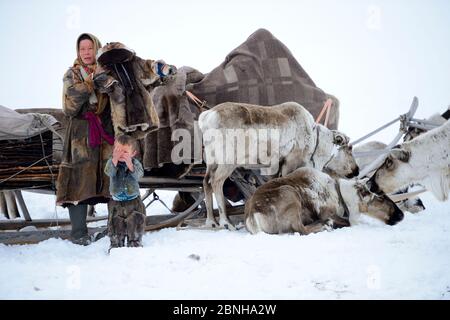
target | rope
x=43, y=153
x=326, y=107
x=49, y=127
x=15, y=174
x=53, y=182
x=156, y=198
x=327, y=116
x=200, y=104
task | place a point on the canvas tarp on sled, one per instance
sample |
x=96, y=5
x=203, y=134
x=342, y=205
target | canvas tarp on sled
x=14, y=125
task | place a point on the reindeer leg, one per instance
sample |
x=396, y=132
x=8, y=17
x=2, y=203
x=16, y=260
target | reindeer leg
x=207, y=187
x=318, y=226
x=219, y=179
x=339, y=222
x=292, y=162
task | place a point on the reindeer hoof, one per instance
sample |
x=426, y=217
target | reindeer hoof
x=228, y=225
x=211, y=224
x=328, y=225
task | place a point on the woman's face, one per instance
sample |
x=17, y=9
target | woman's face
x=86, y=51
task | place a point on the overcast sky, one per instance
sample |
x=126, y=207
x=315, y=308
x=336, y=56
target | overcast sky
x=373, y=55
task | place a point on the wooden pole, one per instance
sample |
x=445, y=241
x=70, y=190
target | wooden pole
x=11, y=205
x=41, y=223
x=91, y=211
x=23, y=206
x=3, y=208
x=403, y=196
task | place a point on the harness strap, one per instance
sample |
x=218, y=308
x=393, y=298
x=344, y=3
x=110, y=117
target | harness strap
x=315, y=148
x=341, y=199
x=200, y=104
x=326, y=107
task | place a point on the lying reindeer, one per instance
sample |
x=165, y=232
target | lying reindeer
x=299, y=140
x=309, y=200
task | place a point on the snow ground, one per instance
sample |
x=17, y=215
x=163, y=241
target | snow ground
x=368, y=261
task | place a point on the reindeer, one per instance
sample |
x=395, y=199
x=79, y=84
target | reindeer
x=296, y=141
x=309, y=201
x=413, y=204
x=424, y=160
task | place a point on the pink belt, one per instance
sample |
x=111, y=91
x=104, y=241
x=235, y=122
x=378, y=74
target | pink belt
x=96, y=131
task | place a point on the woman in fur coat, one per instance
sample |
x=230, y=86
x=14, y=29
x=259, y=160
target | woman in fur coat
x=88, y=140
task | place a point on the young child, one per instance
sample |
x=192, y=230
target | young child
x=126, y=211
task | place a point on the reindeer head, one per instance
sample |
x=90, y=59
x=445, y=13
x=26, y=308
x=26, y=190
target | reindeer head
x=412, y=133
x=379, y=206
x=413, y=205
x=340, y=139
x=393, y=172
x=342, y=164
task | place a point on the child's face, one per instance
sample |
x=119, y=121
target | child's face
x=125, y=150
